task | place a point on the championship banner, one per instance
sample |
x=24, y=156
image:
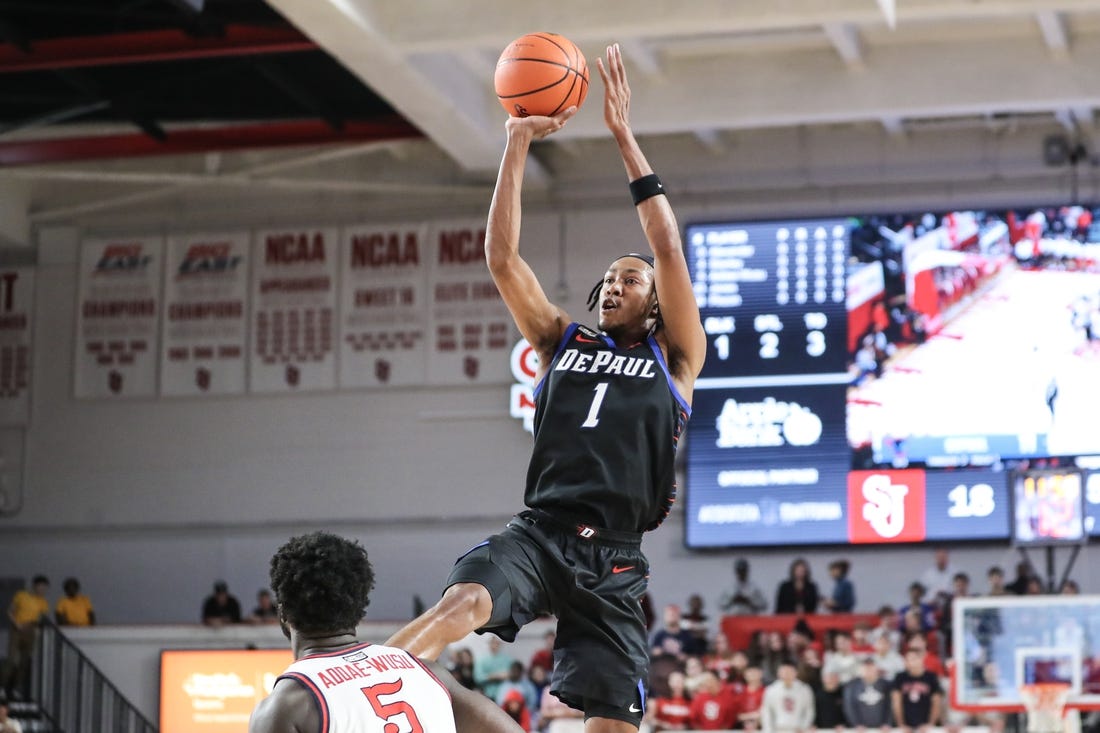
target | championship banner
x=16, y=308
x=293, y=310
x=117, y=317
x=383, y=314
x=471, y=331
x=205, y=314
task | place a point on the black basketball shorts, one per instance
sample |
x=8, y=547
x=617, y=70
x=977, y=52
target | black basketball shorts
x=593, y=585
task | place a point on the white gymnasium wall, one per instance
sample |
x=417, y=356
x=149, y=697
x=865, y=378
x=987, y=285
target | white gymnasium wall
x=149, y=501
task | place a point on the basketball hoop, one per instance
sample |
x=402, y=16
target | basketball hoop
x=1046, y=704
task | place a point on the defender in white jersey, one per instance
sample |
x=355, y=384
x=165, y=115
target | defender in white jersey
x=338, y=684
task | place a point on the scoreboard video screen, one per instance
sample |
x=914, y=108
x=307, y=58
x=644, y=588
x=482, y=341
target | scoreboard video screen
x=877, y=379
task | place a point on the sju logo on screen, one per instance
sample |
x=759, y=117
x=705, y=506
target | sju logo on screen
x=886, y=506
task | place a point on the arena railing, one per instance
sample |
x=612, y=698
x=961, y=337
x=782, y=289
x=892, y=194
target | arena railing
x=73, y=695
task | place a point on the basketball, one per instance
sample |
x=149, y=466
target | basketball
x=541, y=74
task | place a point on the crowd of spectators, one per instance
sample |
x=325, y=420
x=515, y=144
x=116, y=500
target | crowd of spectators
x=889, y=673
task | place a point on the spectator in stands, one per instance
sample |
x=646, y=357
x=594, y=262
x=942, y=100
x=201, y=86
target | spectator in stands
x=8, y=725
x=798, y=593
x=517, y=680
x=887, y=659
x=916, y=696
x=695, y=621
x=1034, y=587
x=539, y=677
x=551, y=708
x=1018, y=586
x=769, y=652
x=265, y=611
x=996, y=577
x=672, y=712
x=74, y=608
x=867, y=699
x=695, y=675
x=841, y=660
x=925, y=612
x=929, y=659
x=462, y=667
x=721, y=659
x=663, y=662
x=544, y=656
x=829, y=703
x=25, y=613
x=843, y=597
x=673, y=626
x=799, y=638
x=516, y=707
x=788, y=705
x=221, y=608
x=750, y=699
x=861, y=639
x=937, y=579
x=714, y=706
x=808, y=668
x=888, y=626
x=491, y=669
x=961, y=589
x=1070, y=588
x=745, y=598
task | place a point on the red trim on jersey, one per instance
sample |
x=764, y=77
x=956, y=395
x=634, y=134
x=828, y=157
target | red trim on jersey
x=429, y=671
x=339, y=652
x=318, y=696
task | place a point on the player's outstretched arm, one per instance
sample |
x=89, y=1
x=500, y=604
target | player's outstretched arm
x=679, y=310
x=288, y=709
x=541, y=322
x=474, y=713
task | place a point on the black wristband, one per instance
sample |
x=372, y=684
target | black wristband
x=646, y=187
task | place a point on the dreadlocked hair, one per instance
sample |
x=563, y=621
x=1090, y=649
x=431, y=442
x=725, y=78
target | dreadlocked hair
x=594, y=295
x=322, y=582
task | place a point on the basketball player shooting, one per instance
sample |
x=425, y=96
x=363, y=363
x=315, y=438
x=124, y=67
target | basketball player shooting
x=338, y=684
x=611, y=403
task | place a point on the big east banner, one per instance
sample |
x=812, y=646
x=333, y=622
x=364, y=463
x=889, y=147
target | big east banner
x=294, y=310
x=205, y=314
x=383, y=315
x=117, y=317
x=471, y=330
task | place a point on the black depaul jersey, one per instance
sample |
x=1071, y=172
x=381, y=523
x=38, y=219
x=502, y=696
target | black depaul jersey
x=607, y=420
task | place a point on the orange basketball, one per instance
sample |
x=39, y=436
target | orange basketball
x=541, y=74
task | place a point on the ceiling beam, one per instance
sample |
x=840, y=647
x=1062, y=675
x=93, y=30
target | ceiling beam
x=446, y=103
x=178, y=142
x=424, y=25
x=846, y=41
x=150, y=46
x=905, y=81
x=1053, y=25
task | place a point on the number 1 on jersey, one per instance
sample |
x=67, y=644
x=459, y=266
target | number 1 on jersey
x=594, y=409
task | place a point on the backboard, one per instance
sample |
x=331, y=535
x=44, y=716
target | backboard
x=1001, y=643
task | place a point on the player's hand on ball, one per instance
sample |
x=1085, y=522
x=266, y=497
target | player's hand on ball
x=616, y=97
x=538, y=126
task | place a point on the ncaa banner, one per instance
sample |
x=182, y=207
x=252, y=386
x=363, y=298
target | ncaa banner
x=471, y=331
x=16, y=307
x=205, y=314
x=117, y=317
x=293, y=310
x=382, y=310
